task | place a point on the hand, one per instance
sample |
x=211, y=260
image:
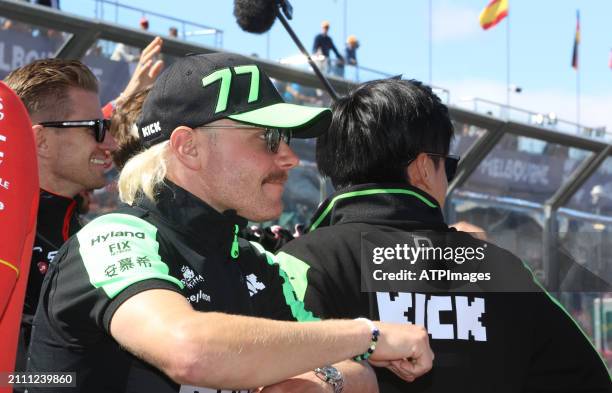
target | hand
x=474, y=230
x=146, y=71
x=404, y=349
x=404, y=369
x=304, y=383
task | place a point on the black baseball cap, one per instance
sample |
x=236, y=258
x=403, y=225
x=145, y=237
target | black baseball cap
x=200, y=89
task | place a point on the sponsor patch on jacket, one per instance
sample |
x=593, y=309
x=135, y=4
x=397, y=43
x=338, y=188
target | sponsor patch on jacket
x=119, y=250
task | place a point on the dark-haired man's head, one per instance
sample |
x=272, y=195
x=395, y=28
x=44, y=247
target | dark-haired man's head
x=388, y=131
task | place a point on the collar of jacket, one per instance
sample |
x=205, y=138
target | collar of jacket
x=55, y=215
x=379, y=204
x=190, y=216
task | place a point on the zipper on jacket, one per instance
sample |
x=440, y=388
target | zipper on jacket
x=235, y=250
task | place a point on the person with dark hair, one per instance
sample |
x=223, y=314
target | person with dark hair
x=164, y=296
x=387, y=153
x=378, y=129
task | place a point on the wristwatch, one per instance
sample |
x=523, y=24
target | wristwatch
x=332, y=376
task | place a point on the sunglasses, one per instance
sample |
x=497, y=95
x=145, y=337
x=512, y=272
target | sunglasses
x=450, y=164
x=272, y=136
x=99, y=126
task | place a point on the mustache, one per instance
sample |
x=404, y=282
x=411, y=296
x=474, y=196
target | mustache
x=276, y=177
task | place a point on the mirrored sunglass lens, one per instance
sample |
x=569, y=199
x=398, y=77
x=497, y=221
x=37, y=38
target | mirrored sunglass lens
x=286, y=134
x=272, y=139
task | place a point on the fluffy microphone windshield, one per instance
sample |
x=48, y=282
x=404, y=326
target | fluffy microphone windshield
x=255, y=16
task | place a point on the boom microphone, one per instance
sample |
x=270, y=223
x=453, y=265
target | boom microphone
x=258, y=16
x=255, y=16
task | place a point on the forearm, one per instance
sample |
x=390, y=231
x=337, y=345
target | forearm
x=233, y=352
x=247, y=352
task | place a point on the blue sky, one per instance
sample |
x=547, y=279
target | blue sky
x=470, y=62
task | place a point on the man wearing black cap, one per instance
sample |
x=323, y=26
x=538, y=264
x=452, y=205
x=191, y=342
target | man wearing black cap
x=113, y=306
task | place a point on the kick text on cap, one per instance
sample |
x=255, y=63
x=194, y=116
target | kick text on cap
x=151, y=129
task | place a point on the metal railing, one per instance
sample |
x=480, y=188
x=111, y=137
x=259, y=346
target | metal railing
x=186, y=29
x=545, y=120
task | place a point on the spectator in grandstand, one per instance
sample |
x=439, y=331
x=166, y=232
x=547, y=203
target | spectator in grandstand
x=173, y=32
x=351, y=50
x=113, y=303
x=350, y=55
x=321, y=47
x=387, y=154
x=9, y=24
x=128, y=53
x=73, y=149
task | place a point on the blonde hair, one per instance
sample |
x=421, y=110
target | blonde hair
x=144, y=172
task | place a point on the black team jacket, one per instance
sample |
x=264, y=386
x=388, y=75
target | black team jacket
x=483, y=340
x=178, y=243
x=57, y=220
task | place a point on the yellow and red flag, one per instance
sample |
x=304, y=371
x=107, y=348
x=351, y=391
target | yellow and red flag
x=576, y=42
x=495, y=11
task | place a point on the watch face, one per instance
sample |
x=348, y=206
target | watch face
x=332, y=373
x=332, y=376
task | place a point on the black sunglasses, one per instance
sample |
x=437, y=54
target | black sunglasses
x=450, y=164
x=99, y=126
x=273, y=136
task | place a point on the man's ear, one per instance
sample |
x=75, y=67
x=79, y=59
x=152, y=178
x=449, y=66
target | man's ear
x=184, y=145
x=419, y=172
x=42, y=140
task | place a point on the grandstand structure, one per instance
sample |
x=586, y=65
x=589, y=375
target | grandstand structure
x=542, y=191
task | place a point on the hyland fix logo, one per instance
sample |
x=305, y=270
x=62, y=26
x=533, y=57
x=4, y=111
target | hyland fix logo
x=104, y=237
x=190, y=279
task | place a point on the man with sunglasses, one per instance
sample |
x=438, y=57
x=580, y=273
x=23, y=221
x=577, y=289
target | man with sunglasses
x=139, y=299
x=387, y=154
x=73, y=151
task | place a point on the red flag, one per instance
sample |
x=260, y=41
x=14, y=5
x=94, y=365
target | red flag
x=576, y=41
